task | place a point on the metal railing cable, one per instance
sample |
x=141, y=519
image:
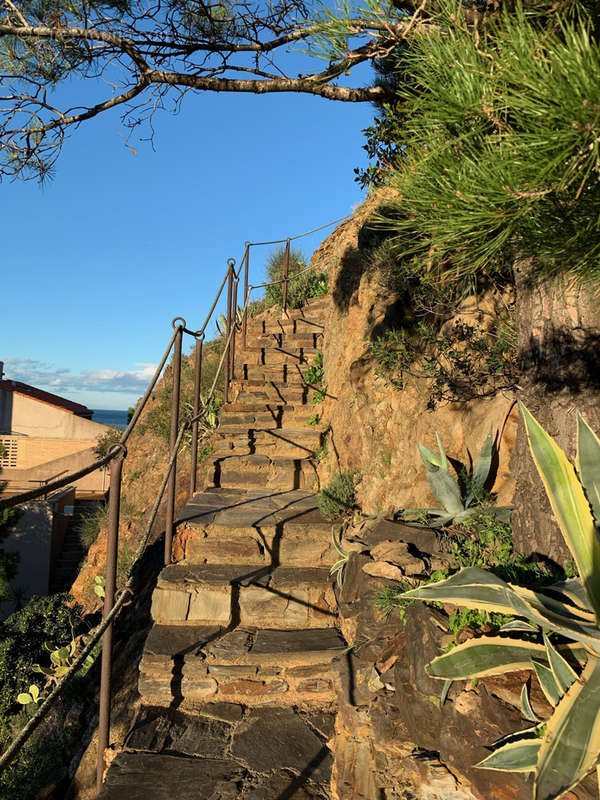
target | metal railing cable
x=302, y=235
x=115, y=599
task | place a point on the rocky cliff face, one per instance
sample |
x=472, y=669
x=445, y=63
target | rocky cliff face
x=374, y=427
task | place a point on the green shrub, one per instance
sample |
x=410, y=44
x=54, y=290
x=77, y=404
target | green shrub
x=89, y=526
x=463, y=362
x=314, y=375
x=339, y=496
x=106, y=441
x=303, y=284
x=23, y=636
x=43, y=758
x=157, y=419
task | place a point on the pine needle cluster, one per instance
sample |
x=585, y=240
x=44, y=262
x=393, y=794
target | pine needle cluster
x=499, y=144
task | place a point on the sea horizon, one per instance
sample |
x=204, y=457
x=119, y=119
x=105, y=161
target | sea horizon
x=114, y=417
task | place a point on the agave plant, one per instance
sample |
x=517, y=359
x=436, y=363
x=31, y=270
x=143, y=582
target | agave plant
x=563, y=748
x=457, y=505
x=221, y=322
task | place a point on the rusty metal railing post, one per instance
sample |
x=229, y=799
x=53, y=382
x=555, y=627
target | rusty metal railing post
x=286, y=272
x=110, y=585
x=246, y=273
x=197, y=387
x=170, y=515
x=231, y=263
x=234, y=321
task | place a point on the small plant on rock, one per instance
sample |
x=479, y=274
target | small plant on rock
x=314, y=375
x=339, y=496
x=561, y=749
x=29, y=699
x=460, y=502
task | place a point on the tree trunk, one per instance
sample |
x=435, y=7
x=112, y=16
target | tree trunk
x=558, y=327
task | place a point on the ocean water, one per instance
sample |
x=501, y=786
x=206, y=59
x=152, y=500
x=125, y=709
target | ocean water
x=116, y=419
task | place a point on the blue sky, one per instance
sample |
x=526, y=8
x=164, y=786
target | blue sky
x=101, y=258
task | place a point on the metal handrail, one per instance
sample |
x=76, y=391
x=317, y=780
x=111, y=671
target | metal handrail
x=113, y=601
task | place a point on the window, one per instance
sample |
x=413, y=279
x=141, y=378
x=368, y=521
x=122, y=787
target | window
x=8, y=452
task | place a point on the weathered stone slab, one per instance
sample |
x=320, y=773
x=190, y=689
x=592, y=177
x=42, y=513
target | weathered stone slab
x=246, y=550
x=169, y=605
x=270, y=739
x=231, y=671
x=228, y=712
x=260, y=606
x=210, y=605
x=322, y=722
x=195, y=689
x=171, y=640
x=253, y=690
x=314, y=686
x=161, y=729
x=282, y=785
x=305, y=550
x=297, y=645
x=230, y=647
x=151, y=776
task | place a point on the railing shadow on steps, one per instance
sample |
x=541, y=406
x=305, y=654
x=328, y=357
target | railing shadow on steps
x=236, y=323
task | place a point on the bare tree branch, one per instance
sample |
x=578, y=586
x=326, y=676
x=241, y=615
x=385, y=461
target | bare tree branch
x=169, y=47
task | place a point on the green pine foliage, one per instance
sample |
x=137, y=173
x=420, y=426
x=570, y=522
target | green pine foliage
x=497, y=131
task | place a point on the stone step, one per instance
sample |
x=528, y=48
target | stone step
x=260, y=471
x=274, y=355
x=259, y=391
x=286, y=374
x=223, y=752
x=260, y=528
x=225, y=595
x=249, y=666
x=290, y=341
x=289, y=442
x=289, y=326
x=265, y=415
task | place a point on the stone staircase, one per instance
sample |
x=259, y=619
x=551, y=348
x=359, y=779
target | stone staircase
x=237, y=678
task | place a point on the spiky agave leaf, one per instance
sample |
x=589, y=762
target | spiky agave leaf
x=445, y=689
x=564, y=674
x=495, y=655
x=479, y=589
x=518, y=626
x=526, y=708
x=570, y=505
x=515, y=756
x=488, y=655
x=588, y=464
x=429, y=458
x=444, y=486
x=572, y=592
x=571, y=745
x=548, y=683
x=482, y=468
